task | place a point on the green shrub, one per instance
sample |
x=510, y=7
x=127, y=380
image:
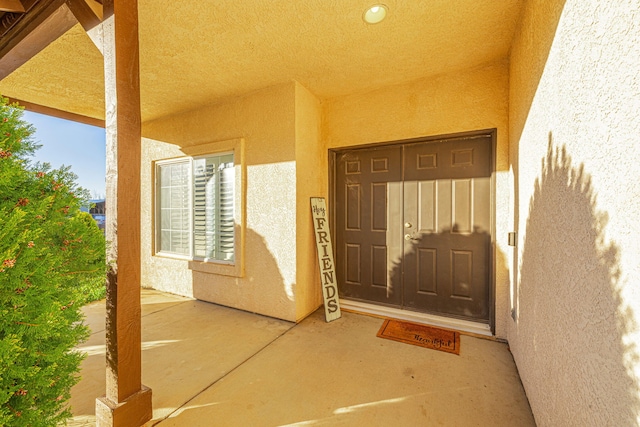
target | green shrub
x=52, y=257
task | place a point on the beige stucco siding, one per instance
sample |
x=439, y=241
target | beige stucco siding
x=574, y=126
x=286, y=132
x=164, y=274
x=311, y=168
x=451, y=103
x=266, y=122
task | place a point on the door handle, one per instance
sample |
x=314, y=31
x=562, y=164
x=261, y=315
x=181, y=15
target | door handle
x=408, y=237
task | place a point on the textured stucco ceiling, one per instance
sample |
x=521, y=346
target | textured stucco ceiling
x=67, y=75
x=200, y=52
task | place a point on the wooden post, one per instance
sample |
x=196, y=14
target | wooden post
x=127, y=401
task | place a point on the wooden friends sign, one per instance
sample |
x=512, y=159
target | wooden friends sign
x=325, y=259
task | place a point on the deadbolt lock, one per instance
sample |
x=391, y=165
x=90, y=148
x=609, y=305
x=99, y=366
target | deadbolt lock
x=407, y=225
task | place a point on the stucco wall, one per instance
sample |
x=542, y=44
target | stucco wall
x=575, y=147
x=458, y=102
x=311, y=167
x=266, y=121
x=164, y=274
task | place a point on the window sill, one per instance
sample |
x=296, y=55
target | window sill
x=176, y=257
x=232, y=270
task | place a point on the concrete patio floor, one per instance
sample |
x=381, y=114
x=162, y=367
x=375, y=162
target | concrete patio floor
x=210, y=365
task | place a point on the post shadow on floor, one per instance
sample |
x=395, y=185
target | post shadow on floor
x=573, y=320
x=164, y=355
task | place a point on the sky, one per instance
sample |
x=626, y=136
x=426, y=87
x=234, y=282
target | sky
x=68, y=143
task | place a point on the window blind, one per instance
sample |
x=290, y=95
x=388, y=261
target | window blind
x=213, y=208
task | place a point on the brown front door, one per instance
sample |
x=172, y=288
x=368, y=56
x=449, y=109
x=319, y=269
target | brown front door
x=413, y=225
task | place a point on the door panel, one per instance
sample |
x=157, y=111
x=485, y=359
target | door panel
x=461, y=208
x=457, y=193
x=413, y=226
x=427, y=198
x=352, y=264
x=367, y=188
x=426, y=271
x=353, y=206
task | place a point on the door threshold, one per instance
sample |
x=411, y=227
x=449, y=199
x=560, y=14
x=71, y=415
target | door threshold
x=412, y=316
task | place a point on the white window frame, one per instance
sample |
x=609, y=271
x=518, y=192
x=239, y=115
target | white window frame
x=158, y=221
x=213, y=266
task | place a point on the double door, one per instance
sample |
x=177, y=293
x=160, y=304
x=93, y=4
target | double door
x=413, y=226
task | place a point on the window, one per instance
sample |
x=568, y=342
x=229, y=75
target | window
x=195, y=214
x=174, y=208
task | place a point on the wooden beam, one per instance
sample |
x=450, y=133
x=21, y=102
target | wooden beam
x=10, y=19
x=96, y=7
x=14, y=6
x=83, y=13
x=54, y=112
x=33, y=33
x=39, y=11
x=127, y=401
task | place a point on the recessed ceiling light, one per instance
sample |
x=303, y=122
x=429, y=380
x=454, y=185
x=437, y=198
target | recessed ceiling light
x=375, y=14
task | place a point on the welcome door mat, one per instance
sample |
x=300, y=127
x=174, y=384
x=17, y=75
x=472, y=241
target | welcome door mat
x=422, y=335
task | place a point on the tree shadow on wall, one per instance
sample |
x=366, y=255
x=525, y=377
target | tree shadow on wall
x=573, y=321
x=262, y=290
x=446, y=273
